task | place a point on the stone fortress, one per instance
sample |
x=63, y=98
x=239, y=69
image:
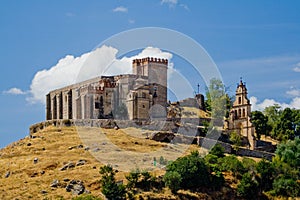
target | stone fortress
x=138, y=96
x=141, y=95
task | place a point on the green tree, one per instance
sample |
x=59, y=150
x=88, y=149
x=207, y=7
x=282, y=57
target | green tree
x=110, y=188
x=232, y=164
x=218, y=150
x=260, y=122
x=289, y=152
x=266, y=172
x=273, y=114
x=284, y=128
x=172, y=180
x=286, y=186
x=139, y=179
x=236, y=139
x=192, y=170
x=248, y=187
x=216, y=99
x=249, y=164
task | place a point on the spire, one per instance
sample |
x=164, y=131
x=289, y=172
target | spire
x=241, y=80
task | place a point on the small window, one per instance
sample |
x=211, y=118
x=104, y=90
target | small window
x=143, y=106
x=244, y=113
x=240, y=113
x=240, y=100
x=97, y=105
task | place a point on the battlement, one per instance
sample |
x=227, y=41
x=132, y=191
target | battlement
x=150, y=59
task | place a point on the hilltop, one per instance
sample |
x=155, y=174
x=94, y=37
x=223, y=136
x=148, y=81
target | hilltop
x=30, y=165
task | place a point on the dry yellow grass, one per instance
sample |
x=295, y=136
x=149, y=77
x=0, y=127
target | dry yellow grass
x=192, y=112
x=51, y=147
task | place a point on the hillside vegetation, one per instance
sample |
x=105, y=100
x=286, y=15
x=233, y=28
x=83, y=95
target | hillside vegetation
x=63, y=163
x=21, y=177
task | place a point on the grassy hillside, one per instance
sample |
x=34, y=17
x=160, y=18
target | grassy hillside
x=55, y=147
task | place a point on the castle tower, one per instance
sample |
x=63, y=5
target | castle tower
x=155, y=70
x=239, y=117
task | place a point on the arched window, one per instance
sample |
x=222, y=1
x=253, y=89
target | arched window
x=240, y=113
x=240, y=100
x=244, y=113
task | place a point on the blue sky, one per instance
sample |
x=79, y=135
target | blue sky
x=258, y=40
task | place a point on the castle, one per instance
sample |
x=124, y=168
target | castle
x=137, y=96
x=141, y=95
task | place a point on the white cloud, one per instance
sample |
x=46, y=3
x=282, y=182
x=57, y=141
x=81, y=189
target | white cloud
x=256, y=105
x=169, y=2
x=70, y=14
x=120, y=9
x=15, y=91
x=131, y=21
x=70, y=69
x=297, y=69
x=293, y=93
x=185, y=7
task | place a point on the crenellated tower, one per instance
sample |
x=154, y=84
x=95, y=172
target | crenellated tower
x=155, y=69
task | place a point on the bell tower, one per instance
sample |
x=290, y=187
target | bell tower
x=239, y=117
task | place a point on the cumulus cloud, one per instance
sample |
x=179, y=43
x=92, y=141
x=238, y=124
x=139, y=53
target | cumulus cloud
x=256, y=105
x=71, y=69
x=297, y=69
x=14, y=91
x=120, y=9
x=293, y=93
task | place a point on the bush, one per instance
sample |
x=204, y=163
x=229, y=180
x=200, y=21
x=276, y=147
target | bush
x=218, y=180
x=192, y=170
x=266, y=172
x=249, y=164
x=232, y=164
x=110, y=188
x=218, y=151
x=248, y=187
x=86, y=197
x=286, y=186
x=172, y=180
x=140, y=180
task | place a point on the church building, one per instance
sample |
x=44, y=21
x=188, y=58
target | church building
x=239, y=117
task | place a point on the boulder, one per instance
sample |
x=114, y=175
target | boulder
x=7, y=174
x=80, y=162
x=76, y=187
x=162, y=136
x=67, y=166
x=55, y=183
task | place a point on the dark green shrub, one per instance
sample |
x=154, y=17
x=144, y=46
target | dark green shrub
x=218, y=151
x=286, y=186
x=232, y=164
x=172, y=180
x=110, y=188
x=192, y=169
x=248, y=187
